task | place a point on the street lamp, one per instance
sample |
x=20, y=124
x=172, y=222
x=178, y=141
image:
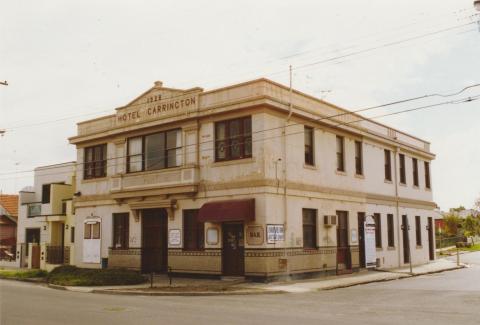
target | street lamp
x=476, y=4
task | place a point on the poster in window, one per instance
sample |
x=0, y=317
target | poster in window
x=370, y=247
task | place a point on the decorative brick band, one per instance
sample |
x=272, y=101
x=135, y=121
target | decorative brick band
x=129, y=251
x=209, y=252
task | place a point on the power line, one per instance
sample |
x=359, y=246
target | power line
x=269, y=74
x=459, y=101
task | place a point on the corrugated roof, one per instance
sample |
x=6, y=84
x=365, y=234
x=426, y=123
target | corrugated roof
x=10, y=203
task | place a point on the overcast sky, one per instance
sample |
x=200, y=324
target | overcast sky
x=70, y=61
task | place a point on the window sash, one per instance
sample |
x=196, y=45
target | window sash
x=309, y=225
x=427, y=174
x=309, y=157
x=403, y=178
x=233, y=139
x=340, y=154
x=388, y=165
x=120, y=230
x=391, y=233
x=95, y=161
x=418, y=230
x=415, y=171
x=193, y=231
x=358, y=158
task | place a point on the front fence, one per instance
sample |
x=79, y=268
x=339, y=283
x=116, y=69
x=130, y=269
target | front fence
x=55, y=254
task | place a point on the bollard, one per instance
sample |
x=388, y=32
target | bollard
x=169, y=273
x=458, y=256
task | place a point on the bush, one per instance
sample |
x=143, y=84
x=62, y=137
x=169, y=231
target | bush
x=73, y=276
x=23, y=274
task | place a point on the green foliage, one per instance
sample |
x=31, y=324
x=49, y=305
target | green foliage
x=471, y=226
x=73, y=276
x=23, y=274
x=460, y=208
x=452, y=224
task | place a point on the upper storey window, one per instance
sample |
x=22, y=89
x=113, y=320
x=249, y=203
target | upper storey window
x=340, y=154
x=155, y=151
x=309, y=154
x=233, y=139
x=95, y=161
x=388, y=165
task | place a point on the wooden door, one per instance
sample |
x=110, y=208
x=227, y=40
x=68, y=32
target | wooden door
x=233, y=259
x=431, y=250
x=361, y=238
x=154, y=241
x=35, y=256
x=406, y=240
x=344, y=264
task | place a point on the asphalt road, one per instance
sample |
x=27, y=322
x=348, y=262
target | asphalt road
x=445, y=298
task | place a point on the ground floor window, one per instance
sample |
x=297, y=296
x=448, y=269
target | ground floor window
x=120, y=230
x=193, y=230
x=309, y=228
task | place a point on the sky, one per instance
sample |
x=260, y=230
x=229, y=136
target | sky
x=71, y=61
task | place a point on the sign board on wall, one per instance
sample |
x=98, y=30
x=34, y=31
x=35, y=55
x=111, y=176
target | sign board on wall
x=212, y=236
x=370, y=247
x=275, y=233
x=174, y=237
x=353, y=236
x=255, y=235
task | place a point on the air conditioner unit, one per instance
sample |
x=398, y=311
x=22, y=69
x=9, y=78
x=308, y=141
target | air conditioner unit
x=329, y=221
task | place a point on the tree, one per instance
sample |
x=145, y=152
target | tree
x=452, y=224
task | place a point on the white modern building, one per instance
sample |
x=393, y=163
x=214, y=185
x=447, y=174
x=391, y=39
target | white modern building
x=46, y=228
x=247, y=180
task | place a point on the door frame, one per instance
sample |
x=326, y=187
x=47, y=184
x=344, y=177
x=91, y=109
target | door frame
x=431, y=248
x=361, y=239
x=242, y=256
x=164, y=268
x=346, y=249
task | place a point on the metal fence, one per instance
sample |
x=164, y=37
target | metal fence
x=55, y=254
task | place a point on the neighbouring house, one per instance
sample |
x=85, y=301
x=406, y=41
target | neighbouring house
x=252, y=179
x=46, y=226
x=8, y=228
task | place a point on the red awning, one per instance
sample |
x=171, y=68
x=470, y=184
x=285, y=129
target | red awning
x=232, y=210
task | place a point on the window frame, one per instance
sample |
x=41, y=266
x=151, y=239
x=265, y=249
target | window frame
x=358, y=158
x=46, y=193
x=121, y=228
x=310, y=243
x=390, y=230
x=193, y=231
x=378, y=230
x=426, y=166
x=418, y=231
x=340, y=153
x=416, y=181
x=403, y=174
x=244, y=139
x=309, y=133
x=97, y=167
x=388, y=164
x=144, y=148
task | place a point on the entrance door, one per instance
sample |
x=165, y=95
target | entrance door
x=35, y=256
x=344, y=264
x=32, y=235
x=154, y=241
x=406, y=240
x=431, y=250
x=361, y=238
x=233, y=258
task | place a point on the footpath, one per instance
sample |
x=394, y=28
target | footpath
x=235, y=286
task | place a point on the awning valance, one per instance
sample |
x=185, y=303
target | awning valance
x=231, y=210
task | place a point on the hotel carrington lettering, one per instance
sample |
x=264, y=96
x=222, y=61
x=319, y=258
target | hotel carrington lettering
x=155, y=107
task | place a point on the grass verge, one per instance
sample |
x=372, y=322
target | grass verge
x=22, y=274
x=73, y=276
